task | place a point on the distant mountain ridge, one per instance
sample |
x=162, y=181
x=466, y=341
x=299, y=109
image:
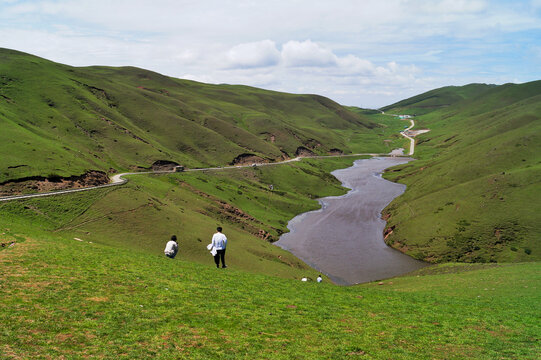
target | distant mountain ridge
x=63, y=120
x=436, y=99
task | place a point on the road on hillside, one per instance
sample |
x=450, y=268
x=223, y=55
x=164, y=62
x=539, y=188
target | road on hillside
x=412, y=140
x=119, y=180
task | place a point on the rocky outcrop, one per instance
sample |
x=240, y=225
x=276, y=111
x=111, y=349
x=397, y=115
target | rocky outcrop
x=164, y=165
x=336, y=152
x=285, y=155
x=219, y=209
x=303, y=152
x=245, y=159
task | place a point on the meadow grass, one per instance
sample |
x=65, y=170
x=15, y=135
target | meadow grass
x=62, y=120
x=143, y=214
x=68, y=299
x=86, y=276
x=471, y=196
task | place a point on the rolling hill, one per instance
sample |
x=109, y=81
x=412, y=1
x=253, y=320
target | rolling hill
x=84, y=275
x=436, y=99
x=59, y=120
x=473, y=194
x=469, y=195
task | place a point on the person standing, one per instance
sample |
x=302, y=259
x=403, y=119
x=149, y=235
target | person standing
x=171, y=248
x=219, y=243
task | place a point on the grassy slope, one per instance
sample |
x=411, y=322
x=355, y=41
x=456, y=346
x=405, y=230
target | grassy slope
x=388, y=131
x=436, y=99
x=65, y=120
x=472, y=195
x=143, y=214
x=62, y=120
x=67, y=299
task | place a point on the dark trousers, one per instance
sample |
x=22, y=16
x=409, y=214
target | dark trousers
x=220, y=254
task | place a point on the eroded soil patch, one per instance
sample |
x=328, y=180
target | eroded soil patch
x=38, y=184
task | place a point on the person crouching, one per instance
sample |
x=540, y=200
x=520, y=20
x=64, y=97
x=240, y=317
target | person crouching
x=171, y=248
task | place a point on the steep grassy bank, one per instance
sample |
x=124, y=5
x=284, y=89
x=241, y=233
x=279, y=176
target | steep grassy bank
x=67, y=299
x=62, y=120
x=472, y=195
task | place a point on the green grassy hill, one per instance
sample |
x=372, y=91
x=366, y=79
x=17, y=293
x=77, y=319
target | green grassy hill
x=84, y=274
x=59, y=120
x=63, y=298
x=62, y=120
x=472, y=195
x=144, y=213
x=436, y=99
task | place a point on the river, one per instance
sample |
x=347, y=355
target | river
x=344, y=239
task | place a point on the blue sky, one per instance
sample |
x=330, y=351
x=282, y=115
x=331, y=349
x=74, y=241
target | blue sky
x=367, y=53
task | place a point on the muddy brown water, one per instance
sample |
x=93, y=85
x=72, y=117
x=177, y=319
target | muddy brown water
x=344, y=239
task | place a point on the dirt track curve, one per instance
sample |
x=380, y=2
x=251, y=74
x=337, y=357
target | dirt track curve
x=119, y=180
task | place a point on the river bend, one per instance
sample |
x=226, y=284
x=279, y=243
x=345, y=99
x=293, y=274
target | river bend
x=344, y=239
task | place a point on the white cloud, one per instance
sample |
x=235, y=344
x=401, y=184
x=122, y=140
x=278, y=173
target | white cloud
x=354, y=65
x=187, y=56
x=306, y=54
x=456, y=6
x=254, y=54
x=357, y=49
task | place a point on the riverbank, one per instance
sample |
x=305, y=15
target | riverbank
x=344, y=239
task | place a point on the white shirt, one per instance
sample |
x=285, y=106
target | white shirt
x=171, y=247
x=319, y=279
x=219, y=241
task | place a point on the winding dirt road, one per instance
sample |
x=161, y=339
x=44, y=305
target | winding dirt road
x=412, y=140
x=119, y=179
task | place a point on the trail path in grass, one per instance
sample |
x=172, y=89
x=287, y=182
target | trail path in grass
x=118, y=179
x=412, y=140
x=410, y=134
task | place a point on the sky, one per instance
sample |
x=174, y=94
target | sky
x=366, y=53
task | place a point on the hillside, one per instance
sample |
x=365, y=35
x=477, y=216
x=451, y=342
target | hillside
x=59, y=120
x=67, y=299
x=472, y=195
x=145, y=212
x=84, y=275
x=436, y=99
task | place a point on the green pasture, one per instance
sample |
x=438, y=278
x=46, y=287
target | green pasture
x=84, y=275
x=472, y=194
x=143, y=214
x=63, y=298
x=64, y=120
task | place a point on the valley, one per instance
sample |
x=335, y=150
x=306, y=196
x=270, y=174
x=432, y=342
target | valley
x=84, y=273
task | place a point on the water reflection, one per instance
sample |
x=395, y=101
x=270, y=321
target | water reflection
x=345, y=238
